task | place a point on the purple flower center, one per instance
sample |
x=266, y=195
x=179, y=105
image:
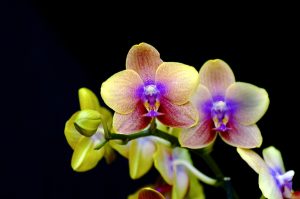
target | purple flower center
x=220, y=115
x=150, y=97
x=284, y=182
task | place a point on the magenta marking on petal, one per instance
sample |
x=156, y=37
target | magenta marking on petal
x=222, y=128
x=150, y=94
x=218, y=98
x=161, y=87
x=283, y=180
x=221, y=112
x=152, y=113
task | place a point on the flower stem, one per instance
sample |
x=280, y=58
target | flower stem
x=225, y=182
x=213, y=165
x=152, y=131
x=204, y=178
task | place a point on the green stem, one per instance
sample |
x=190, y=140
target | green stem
x=152, y=131
x=213, y=165
x=201, y=176
x=223, y=181
x=126, y=138
x=100, y=145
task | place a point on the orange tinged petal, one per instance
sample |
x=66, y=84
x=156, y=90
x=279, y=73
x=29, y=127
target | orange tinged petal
x=179, y=81
x=144, y=59
x=217, y=76
x=119, y=92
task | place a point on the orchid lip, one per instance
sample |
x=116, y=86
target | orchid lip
x=152, y=113
x=220, y=115
x=284, y=182
x=150, y=95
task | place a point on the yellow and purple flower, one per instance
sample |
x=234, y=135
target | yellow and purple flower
x=150, y=88
x=175, y=182
x=225, y=107
x=175, y=167
x=139, y=153
x=274, y=181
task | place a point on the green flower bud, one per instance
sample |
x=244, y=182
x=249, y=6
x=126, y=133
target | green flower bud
x=87, y=122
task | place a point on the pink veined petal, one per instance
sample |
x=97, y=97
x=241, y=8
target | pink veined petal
x=182, y=116
x=119, y=91
x=144, y=59
x=202, y=100
x=251, y=102
x=268, y=185
x=179, y=81
x=252, y=159
x=132, y=122
x=273, y=158
x=217, y=76
x=198, y=136
x=242, y=136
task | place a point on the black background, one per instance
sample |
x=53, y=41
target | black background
x=49, y=49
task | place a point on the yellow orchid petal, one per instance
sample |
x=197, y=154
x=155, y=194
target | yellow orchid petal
x=181, y=177
x=252, y=159
x=85, y=157
x=178, y=80
x=273, y=158
x=162, y=162
x=181, y=183
x=202, y=100
x=195, y=188
x=106, y=115
x=140, y=157
x=88, y=99
x=250, y=102
x=122, y=149
x=119, y=92
x=71, y=134
x=217, y=76
x=268, y=185
x=144, y=59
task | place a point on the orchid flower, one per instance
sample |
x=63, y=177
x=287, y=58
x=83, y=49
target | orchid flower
x=85, y=157
x=139, y=153
x=175, y=167
x=150, y=88
x=225, y=107
x=274, y=181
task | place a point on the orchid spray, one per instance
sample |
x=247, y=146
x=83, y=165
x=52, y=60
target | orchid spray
x=163, y=112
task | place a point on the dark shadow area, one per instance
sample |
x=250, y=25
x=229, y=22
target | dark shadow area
x=50, y=49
